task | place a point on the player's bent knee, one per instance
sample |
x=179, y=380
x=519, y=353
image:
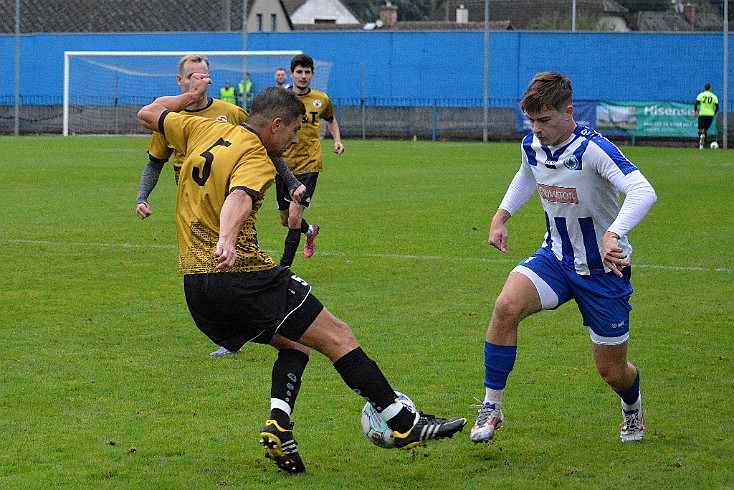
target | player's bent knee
x=344, y=335
x=330, y=336
x=508, y=309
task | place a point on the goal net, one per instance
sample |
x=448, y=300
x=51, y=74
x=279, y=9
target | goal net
x=104, y=90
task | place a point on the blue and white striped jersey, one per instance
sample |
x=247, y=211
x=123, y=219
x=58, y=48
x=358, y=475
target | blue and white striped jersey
x=579, y=182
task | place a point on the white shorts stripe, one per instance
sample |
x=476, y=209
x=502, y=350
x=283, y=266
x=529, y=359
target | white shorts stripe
x=548, y=297
x=608, y=340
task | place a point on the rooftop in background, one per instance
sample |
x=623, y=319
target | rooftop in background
x=121, y=16
x=226, y=15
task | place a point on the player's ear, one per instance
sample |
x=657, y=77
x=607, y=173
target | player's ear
x=276, y=124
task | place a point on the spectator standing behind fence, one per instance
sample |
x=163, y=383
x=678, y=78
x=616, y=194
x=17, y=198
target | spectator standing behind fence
x=228, y=94
x=585, y=255
x=705, y=108
x=246, y=91
x=305, y=159
x=281, y=78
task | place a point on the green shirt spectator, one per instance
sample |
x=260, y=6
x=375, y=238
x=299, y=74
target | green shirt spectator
x=226, y=93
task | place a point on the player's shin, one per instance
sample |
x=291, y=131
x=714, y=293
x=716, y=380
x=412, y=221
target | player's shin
x=286, y=382
x=292, y=241
x=365, y=378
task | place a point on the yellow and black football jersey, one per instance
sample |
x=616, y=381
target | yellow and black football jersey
x=305, y=156
x=216, y=159
x=216, y=109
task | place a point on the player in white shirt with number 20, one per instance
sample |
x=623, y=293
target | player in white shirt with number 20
x=584, y=256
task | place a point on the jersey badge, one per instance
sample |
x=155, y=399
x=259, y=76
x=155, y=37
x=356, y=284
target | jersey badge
x=317, y=103
x=572, y=163
x=222, y=117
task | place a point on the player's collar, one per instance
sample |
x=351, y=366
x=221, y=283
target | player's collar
x=209, y=102
x=252, y=130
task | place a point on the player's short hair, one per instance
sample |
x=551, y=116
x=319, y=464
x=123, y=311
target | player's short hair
x=277, y=102
x=280, y=68
x=193, y=58
x=707, y=86
x=303, y=60
x=547, y=90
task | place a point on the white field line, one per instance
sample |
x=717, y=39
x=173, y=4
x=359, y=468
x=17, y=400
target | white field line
x=343, y=254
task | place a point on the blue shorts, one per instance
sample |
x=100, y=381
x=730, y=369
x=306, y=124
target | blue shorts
x=603, y=299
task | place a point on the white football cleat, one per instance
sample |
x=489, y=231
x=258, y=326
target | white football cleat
x=633, y=425
x=489, y=420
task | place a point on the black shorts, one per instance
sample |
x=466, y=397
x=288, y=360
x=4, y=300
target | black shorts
x=284, y=198
x=233, y=308
x=704, y=122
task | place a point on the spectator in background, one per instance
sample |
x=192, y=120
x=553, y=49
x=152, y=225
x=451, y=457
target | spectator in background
x=227, y=93
x=281, y=78
x=247, y=91
x=705, y=108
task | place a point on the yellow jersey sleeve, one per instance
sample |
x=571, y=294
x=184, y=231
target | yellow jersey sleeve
x=159, y=148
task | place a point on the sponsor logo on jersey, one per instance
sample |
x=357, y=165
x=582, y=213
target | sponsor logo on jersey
x=618, y=325
x=317, y=103
x=558, y=194
x=222, y=117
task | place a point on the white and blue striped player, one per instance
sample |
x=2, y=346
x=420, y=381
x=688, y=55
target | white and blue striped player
x=585, y=254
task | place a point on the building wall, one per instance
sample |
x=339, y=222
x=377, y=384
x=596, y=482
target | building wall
x=427, y=65
x=323, y=10
x=265, y=9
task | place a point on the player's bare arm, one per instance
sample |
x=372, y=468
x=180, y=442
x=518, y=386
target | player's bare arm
x=498, y=231
x=334, y=129
x=612, y=254
x=150, y=114
x=236, y=209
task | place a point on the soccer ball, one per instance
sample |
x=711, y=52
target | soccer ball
x=376, y=428
x=714, y=145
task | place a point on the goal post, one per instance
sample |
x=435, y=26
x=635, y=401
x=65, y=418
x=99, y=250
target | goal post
x=103, y=90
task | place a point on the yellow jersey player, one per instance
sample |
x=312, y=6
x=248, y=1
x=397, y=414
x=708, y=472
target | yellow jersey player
x=305, y=159
x=160, y=150
x=235, y=292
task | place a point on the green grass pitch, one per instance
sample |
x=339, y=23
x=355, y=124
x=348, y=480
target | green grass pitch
x=107, y=383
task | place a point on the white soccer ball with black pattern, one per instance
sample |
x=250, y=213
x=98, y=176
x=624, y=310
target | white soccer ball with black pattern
x=376, y=428
x=714, y=145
